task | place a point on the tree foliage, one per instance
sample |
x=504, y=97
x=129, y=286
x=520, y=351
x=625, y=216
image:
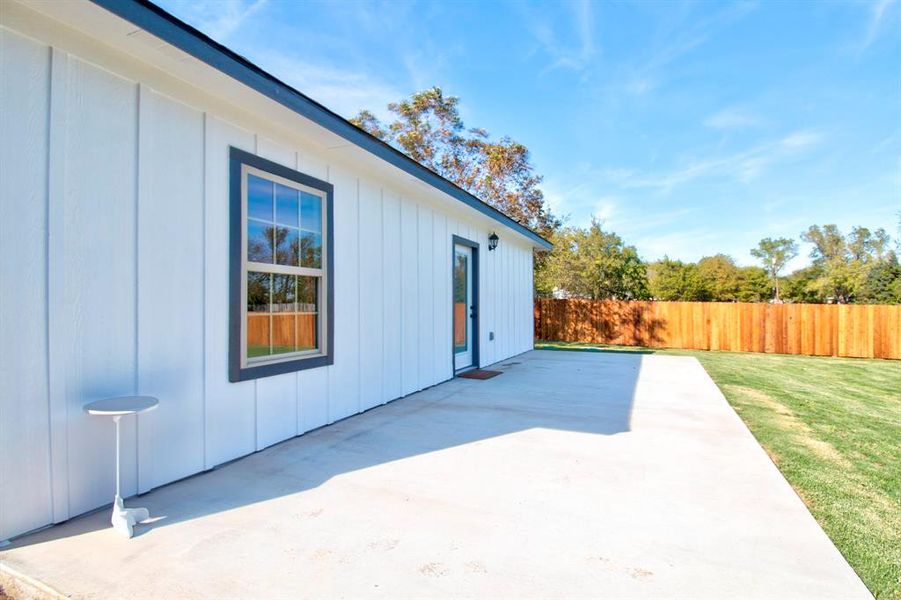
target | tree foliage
x=842, y=264
x=676, y=280
x=593, y=263
x=428, y=128
x=720, y=278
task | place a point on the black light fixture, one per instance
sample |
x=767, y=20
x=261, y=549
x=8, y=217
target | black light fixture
x=492, y=241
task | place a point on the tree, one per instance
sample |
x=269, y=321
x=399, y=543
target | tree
x=720, y=277
x=883, y=282
x=428, y=128
x=753, y=285
x=843, y=264
x=828, y=243
x=774, y=254
x=675, y=280
x=592, y=263
x=798, y=286
x=866, y=246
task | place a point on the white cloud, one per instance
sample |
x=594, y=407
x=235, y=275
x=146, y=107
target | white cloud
x=732, y=118
x=605, y=209
x=684, y=245
x=344, y=91
x=743, y=166
x=679, y=41
x=878, y=11
x=574, y=56
x=801, y=139
x=220, y=18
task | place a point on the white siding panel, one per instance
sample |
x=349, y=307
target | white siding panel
x=530, y=278
x=481, y=238
x=440, y=354
x=276, y=396
x=371, y=296
x=344, y=375
x=276, y=409
x=25, y=489
x=313, y=383
x=230, y=415
x=516, y=271
x=490, y=309
x=170, y=289
x=409, y=296
x=507, y=298
x=393, y=296
x=447, y=327
x=426, y=302
x=58, y=323
x=99, y=264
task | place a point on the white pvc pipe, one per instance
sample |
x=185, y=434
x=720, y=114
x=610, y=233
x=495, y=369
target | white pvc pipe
x=116, y=419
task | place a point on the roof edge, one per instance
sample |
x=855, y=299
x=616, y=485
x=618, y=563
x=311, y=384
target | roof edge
x=164, y=25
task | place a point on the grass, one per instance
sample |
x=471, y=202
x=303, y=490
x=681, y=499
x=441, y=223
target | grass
x=833, y=427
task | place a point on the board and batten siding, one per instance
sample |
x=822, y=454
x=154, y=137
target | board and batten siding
x=114, y=268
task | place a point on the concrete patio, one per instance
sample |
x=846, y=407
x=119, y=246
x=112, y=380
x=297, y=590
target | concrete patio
x=572, y=474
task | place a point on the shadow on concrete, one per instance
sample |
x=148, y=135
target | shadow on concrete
x=580, y=347
x=572, y=391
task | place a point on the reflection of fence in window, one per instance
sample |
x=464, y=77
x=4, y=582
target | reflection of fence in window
x=460, y=324
x=281, y=332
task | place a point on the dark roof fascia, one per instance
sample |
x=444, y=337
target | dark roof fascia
x=172, y=30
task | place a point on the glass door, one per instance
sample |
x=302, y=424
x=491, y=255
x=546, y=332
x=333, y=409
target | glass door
x=463, y=307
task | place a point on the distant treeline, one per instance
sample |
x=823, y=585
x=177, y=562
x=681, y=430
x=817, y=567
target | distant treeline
x=860, y=267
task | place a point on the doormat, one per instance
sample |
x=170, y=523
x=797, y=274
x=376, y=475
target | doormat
x=479, y=374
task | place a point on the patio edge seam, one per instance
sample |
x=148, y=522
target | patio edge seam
x=20, y=586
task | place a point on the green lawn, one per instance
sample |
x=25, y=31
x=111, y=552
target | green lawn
x=833, y=427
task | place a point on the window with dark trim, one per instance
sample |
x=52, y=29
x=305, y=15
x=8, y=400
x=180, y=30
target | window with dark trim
x=280, y=296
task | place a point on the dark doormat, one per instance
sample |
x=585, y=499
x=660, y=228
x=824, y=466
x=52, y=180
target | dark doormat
x=479, y=374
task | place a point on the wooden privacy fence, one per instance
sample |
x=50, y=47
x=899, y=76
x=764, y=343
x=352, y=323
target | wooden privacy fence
x=854, y=330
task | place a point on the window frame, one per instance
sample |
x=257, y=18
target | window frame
x=240, y=368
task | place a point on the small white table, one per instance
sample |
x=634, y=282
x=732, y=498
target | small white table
x=123, y=519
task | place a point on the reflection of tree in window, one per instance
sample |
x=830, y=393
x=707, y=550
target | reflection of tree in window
x=310, y=250
x=283, y=293
x=259, y=242
x=460, y=279
x=257, y=292
x=307, y=290
x=286, y=246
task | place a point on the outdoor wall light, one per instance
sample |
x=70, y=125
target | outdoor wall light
x=492, y=241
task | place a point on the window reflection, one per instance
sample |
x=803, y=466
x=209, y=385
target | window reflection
x=259, y=198
x=287, y=209
x=287, y=249
x=260, y=238
x=307, y=331
x=307, y=294
x=284, y=293
x=310, y=250
x=258, y=302
x=311, y=212
x=460, y=293
x=284, y=229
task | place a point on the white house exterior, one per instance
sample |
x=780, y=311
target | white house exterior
x=119, y=128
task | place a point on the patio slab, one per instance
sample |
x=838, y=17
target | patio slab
x=572, y=474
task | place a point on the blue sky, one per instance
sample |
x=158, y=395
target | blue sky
x=688, y=128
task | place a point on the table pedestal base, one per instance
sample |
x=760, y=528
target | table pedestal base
x=124, y=519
